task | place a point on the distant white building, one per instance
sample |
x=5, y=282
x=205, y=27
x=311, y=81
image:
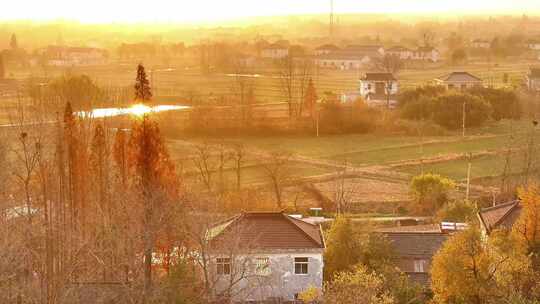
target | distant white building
x=481, y=44
x=275, y=51
x=401, y=52
x=459, y=81
x=370, y=50
x=379, y=88
x=326, y=49
x=532, y=79
x=342, y=61
x=74, y=56
x=426, y=54
x=533, y=45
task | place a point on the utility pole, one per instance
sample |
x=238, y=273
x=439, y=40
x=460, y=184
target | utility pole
x=318, y=118
x=469, y=165
x=464, y=118
x=331, y=23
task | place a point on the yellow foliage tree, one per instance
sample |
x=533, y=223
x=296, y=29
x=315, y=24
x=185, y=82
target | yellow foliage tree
x=527, y=228
x=468, y=269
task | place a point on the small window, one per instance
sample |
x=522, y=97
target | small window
x=223, y=266
x=301, y=265
x=420, y=265
x=262, y=266
x=369, y=86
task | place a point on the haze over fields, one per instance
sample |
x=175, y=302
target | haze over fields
x=284, y=151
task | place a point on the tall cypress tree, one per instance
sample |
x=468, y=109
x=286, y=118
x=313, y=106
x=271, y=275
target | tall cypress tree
x=143, y=91
x=13, y=42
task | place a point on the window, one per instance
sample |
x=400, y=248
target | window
x=262, y=266
x=369, y=86
x=223, y=266
x=301, y=265
x=420, y=265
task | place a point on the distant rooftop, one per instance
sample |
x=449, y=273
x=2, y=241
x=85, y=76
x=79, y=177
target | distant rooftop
x=500, y=216
x=379, y=77
x=329, y=47
x=459, y=77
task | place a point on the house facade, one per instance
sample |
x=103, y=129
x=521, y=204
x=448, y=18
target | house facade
x=533, y=45
x=275, y=51
x=377, y=86
x=459, y=81
x=426, y=54
x=414, y=248
x=532, y=79
x=259, y=257
x=481, y=44
x=400, y=52
x=342, y=61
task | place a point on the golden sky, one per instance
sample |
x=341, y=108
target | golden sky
x=97, y=11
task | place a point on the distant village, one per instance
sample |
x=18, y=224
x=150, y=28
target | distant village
x=271, y=171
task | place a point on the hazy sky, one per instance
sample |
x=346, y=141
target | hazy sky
x=215, y=10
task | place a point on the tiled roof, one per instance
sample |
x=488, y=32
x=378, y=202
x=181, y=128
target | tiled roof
x=379, y=76
x=339, y=55
x=416, y=244
x=500, y=216
x=330, y=47
x=429, y=228
x=266, y=230
x=398, y=49
x=365, y=48
x=459, y=77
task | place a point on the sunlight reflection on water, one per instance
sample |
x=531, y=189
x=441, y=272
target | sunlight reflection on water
x=133, y=110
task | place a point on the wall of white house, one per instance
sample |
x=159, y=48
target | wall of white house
x=280, y=281
x=275, y=53
x=533, y=84
x=369, y=87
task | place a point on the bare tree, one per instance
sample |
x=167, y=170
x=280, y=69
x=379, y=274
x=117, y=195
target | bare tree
x=278, y=171
x=238, y=156
x=391, y=64
x=205, y=164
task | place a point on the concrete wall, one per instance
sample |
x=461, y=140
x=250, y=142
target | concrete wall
x=369, y=87
x=281, y=282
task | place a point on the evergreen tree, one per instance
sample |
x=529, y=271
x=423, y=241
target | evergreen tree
x=13, y=42
x=143, y=91
x=154, y=175
x=310, y=98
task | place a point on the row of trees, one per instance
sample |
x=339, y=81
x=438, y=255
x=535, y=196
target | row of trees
x=87, y=206
x=448, y=108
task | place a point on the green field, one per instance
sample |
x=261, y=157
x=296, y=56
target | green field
x=481, y=167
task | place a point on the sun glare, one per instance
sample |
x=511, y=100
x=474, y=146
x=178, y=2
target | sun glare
x=170, y=11
x=139, y=110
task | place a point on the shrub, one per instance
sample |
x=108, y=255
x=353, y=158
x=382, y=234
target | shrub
x=505, y=102
x=448, y=110
x=428, y=91
x=430, y=192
